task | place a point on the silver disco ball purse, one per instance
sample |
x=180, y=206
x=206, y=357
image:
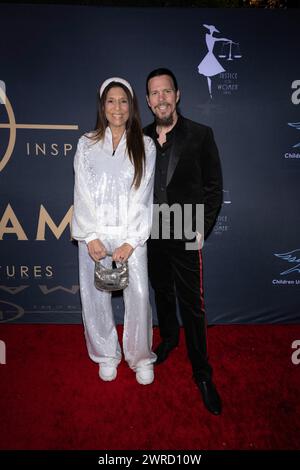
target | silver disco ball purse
x=111, y=279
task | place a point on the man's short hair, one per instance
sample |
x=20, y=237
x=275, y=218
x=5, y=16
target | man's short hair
x=157, y=73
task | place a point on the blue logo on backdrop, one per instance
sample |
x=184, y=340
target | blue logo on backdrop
x=296, y=125
x=295, y=99
x=210, y=66
x=292, y=257
x=222, y=224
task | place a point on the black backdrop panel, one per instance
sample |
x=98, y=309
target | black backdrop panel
x=53, y=59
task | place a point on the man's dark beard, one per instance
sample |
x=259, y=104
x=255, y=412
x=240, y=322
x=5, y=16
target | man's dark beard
x=165, y=122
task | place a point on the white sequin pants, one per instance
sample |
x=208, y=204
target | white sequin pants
x=99, y=324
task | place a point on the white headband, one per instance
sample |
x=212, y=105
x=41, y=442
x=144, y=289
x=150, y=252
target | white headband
x=115, y=79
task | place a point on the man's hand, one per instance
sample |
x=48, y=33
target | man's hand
x=122, y=253
x=96, y=249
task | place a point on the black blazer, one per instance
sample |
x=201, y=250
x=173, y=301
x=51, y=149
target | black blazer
x=194, y=173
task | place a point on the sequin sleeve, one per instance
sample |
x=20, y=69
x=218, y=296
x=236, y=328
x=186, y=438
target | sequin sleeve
x=83, y=227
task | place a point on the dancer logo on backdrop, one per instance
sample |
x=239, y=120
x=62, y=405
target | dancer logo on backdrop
x=293, y=258
x=12, y=126
x=217, y=63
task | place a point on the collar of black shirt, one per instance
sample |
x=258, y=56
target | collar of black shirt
x=171, y=133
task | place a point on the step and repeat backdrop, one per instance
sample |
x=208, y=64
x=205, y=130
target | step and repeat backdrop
x=238, y=71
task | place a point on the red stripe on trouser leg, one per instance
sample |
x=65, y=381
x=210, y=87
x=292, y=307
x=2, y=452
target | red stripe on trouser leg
x=202, y=306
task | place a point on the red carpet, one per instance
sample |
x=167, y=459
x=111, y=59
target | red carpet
x=51, y=396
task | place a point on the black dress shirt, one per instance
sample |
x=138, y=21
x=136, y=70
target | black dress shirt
x=162, y=163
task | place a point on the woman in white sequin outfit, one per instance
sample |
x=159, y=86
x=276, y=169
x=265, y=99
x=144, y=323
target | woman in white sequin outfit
x=114, y=176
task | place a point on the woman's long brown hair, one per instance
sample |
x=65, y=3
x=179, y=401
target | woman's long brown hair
x=134, y=133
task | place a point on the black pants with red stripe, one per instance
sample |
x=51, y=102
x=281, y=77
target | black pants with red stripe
x=177, y=273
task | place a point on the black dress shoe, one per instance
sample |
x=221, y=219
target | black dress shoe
x=210, y=396
x=163, y=350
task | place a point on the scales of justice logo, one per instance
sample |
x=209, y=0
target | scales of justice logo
x=13, y=126
x=210, y=66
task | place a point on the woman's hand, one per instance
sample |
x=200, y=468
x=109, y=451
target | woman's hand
x=122, y=253
x=96, y=249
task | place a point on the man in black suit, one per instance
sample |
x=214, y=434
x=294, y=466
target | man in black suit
x=188, y=171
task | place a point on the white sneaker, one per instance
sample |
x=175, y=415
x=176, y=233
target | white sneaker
x=107, y=372
x=145, y=376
